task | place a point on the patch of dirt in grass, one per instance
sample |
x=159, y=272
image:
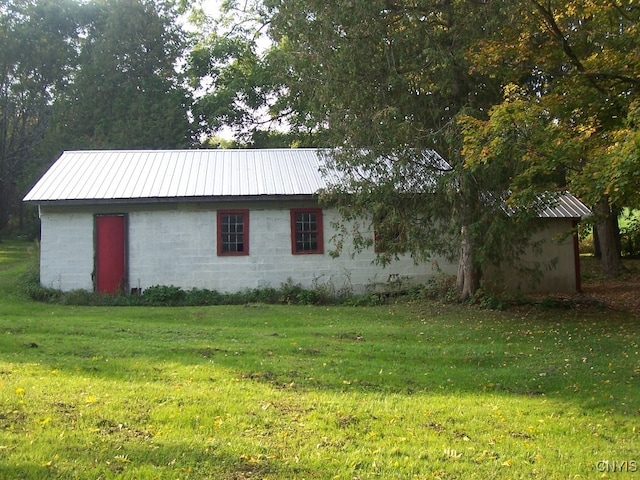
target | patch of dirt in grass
x=617, y=295
x=107, y=427
x=12, y=420
x=621, y=294
x=271, y=378
x=352, y=336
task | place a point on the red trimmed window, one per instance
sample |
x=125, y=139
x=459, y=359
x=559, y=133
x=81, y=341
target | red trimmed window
x=233, y=232
x=394, y=241
x=306, y=231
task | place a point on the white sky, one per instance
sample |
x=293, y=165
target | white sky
x=210, y=6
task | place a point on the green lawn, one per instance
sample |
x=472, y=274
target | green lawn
x=405, y=391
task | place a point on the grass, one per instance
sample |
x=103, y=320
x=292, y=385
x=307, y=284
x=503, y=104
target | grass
x=412, y=390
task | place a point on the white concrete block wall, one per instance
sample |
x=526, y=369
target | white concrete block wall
x=178, y=247
x=66, y=251
x=168, y=247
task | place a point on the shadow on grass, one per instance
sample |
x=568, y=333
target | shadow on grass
x=158, y=460
x=586, y=356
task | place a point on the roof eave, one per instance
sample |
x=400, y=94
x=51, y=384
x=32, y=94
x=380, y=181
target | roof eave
x=159, y=200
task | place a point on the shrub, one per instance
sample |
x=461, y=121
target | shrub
x=443, y=288
x=39, y=293
x=489, y=301
x=30, y=286
x=197, y=296
x=164, y=295
x=171, y=295
x=630, y=234
x=290, y=292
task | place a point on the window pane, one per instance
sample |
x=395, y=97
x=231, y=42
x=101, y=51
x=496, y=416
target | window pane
x=306, y=241
x=232, y=232
x=306, y=231
x=306, y=222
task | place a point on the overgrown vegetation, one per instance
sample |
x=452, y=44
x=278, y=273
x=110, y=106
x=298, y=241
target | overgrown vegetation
x=441, y=289
x=289, y=293
x=416, y=390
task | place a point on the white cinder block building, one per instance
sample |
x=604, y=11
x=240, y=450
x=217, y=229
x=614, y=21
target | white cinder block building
x=224, y=220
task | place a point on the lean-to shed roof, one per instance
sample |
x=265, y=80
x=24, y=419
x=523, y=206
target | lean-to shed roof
x=567, y=206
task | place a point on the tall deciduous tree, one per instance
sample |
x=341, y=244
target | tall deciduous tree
x=385, y=81
x=36, y=54
x=573, y=121
x=380, y=82
x=126, y=92
x=237, y=76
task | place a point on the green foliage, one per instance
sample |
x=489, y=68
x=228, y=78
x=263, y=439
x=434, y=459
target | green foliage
x=488, y=301
x=126, y=92
x=569, y=118
x=237, y=82
x=442, y=288
x=31, y=288
x=383, y=84
x=379, y=80
x=198, y=296
x=38, y=41
x=289, y=293
x=78, y=75
x=630, y=233
x=164, y=295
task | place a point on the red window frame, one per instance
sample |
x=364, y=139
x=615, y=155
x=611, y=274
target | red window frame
x=310, y=229
x=222, y=241
x=382, y=246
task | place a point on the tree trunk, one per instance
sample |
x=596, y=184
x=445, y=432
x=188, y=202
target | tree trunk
x=615, y=214
x=7, y=195
x=609, y=246
x=596, y=243
x=468, y=278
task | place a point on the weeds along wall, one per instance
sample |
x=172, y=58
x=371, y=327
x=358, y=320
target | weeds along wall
x=175, y=244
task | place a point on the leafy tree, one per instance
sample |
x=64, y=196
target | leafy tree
x=379, y=83
x=572, y=120
x=37, y=38
x=385, y=81
x=126, y=92
x=235, y=77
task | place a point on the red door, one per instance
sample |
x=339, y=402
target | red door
x=110, y=253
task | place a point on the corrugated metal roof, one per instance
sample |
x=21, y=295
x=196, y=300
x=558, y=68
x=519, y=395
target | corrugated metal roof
x=98, y=176
x=547, y=205
x=567, y=206
x=167, y=174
